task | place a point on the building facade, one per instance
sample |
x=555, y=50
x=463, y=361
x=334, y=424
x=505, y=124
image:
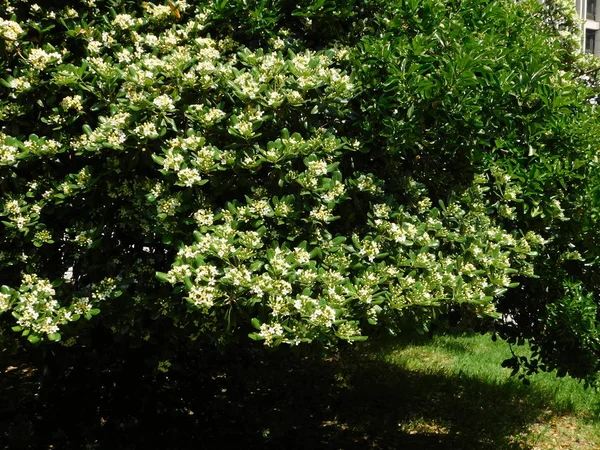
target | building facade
x=589, y=12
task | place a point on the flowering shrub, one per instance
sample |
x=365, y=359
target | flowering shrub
x=299, y=173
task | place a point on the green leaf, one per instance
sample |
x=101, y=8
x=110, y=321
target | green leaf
x=255, y=337
x=338, y=240
x=231, y=207
x=158, y=159
x=161, y=276
x=54, y=337
x=316, y=252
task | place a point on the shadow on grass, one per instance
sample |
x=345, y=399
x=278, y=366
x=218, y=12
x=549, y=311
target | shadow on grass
x=265, y=401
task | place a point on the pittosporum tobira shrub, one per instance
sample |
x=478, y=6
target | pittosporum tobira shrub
x=299, y=172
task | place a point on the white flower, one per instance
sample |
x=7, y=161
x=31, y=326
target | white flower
x=270, y=332
x=20, y=222
x=19, y=84
x=365, y=183
x=243, y=127
x=39, y=58
x=334, y=192
x=424, y=204
x=115, y=138
x=381, y=210
x=168, y=206
x=12, y=207
x=188, y=177
x=301, y=255
x=71, y=13
x=204, y=217
x=323, y=316
x=348, y=330
x=10, y=30
x=81, y=305
x=278, y=43
x=146, y=130
x=94, y=47
x=124, y=21
x=124, y=56
x=73, y=102
x=506, y=211
x=260, y=207
x=164, y=103
x=4, y=302
x=534, y=238
x=370, y=249
x=247, y=85
x=213, y=116
x=8, y=153
x=278, y=262
x=158, y=12
x=239, y=276
x=274, y=98
x=321, y=213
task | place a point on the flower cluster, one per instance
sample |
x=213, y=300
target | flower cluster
x=39, y=313
x=409, y=259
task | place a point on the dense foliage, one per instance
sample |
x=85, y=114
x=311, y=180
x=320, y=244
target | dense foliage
x=299, y=171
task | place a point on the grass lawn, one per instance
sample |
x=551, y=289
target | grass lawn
x=462, y=394
x=436, y=394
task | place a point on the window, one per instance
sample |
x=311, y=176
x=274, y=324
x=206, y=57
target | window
x=590, y=41
x=591, y=10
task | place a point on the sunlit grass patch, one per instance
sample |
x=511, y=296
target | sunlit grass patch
x=559, y=412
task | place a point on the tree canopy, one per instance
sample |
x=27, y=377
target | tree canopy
x=297, y=172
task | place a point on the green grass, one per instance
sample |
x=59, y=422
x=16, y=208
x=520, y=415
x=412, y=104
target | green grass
x=551, y=413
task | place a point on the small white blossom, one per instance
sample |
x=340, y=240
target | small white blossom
x=370, y=249
x=270, y=333
x=39, y=58
x=323, y=316
x=124, y=21
x=164, y=103
x=4, y=302
x=10, y=30
x=317, y=168
x=146, y=130
x=73, y=102
x=189, y=176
